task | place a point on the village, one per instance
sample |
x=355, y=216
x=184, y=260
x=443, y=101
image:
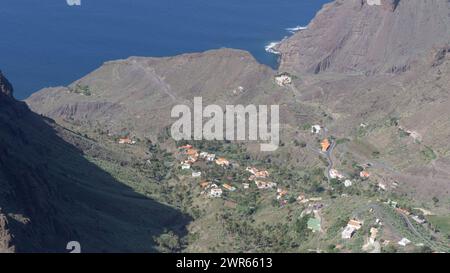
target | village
x=194, y=164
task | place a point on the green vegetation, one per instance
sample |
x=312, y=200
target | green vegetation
x=81, y=89
x=168, y=242
x=342, y=141
x=428, y=154
x=441, y=224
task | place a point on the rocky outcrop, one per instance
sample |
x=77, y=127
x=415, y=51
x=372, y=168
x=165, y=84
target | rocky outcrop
x=5, y=237
x=367, y=36
x=5, y=87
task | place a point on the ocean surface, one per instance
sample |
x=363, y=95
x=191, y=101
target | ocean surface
x=49, y=42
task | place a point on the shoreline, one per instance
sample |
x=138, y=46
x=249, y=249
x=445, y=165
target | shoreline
x=271, y=46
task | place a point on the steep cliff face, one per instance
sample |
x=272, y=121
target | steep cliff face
x=5, y=87
x=50, y=194
x=368, y=36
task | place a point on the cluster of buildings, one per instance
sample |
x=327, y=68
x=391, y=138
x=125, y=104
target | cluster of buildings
x=406, y=212
x=213, y=190
x=260, y=178
x=283, y=79
x=193, y=155
x=335, y=174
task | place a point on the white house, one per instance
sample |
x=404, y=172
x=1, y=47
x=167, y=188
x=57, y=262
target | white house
x=210, y=157
x=185, y=166
x=336, y=174
x=348, y=183
x=348, y=232
x=283, y=80
x=196, y=174
x=404, y=242
x=315, y=129
x=418, y=219
x=216, y=193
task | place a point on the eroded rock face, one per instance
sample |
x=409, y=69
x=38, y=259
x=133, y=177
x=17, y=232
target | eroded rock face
x=5, y=87
x=367, y=36
x=5, y=237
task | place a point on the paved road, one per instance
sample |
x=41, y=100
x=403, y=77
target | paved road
x=329, y=155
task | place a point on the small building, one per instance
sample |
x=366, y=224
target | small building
x=283, y=79
x=316, y=129
x=348, y=183
x=238, y=90
x=403, y=211
x=185, y=166
x=352, y=226
x=364, y=174
x=246, y=185
x=222, y=162
x=418, y=219
x=325, y=144
x=300, y=198
x=382, y=186
x=192, y=152
x=404, y=242
x=251, y=170
x=373, y=235
x=355, y=224
x=348, y=232
x=205, y=184
x=216, y=193
x=229, y=187
x=281, y=193
x=262, y=174
x=185, y=147
x=264, y=185
x=335, y=174
x=210, y=157
x=196, y=174
x=126, y=140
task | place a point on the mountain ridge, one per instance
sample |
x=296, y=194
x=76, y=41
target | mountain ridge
x=353, y=36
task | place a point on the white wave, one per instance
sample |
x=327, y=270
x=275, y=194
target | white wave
x=73, y=2
x=271, y=48
x=296, y=29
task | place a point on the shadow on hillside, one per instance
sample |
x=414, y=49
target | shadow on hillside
x=52, y=195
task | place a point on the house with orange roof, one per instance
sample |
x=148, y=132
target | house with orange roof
x=403, y=211
x=364, y=174
x=229, y=187
x=325, y=144
x=355, y=224
x=126, y=140
x=281, y=193
x=262, y=174
x=204, y=184
x=352, y=226
x=222, y=162
x=186, y=147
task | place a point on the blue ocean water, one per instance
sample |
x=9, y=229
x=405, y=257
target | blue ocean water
x=49, y=43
